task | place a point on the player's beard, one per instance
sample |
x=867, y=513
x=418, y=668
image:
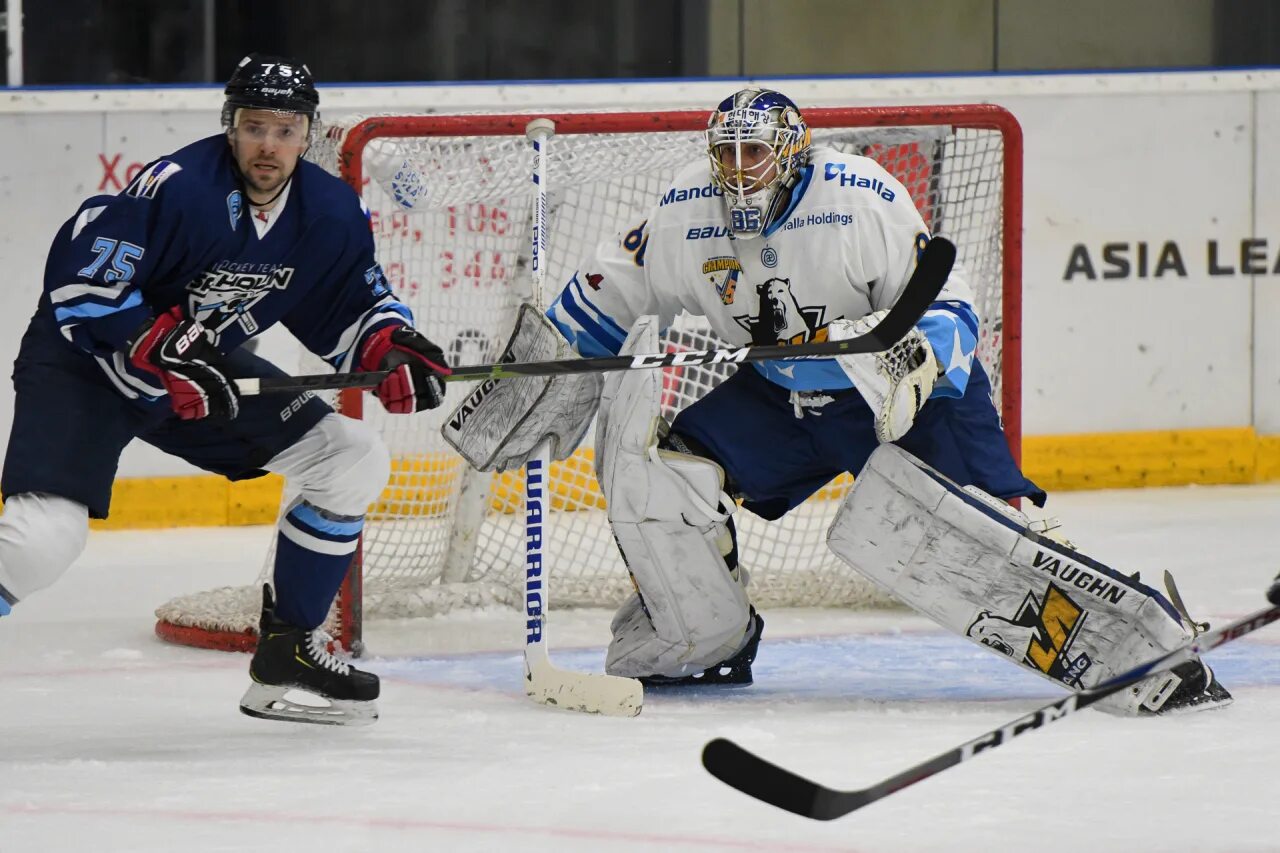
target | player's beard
x=265, y=183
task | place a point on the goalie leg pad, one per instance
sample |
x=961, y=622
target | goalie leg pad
x=690, y=611
x=670, y=517
x=969, y=562
x=40, y=537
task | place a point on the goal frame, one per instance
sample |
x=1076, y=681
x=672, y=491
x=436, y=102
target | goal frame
x=959, y=116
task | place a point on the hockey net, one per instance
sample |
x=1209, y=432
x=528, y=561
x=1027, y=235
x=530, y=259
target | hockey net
x=451, y=205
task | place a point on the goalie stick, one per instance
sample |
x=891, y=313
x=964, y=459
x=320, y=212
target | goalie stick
x=917, y=295
x=592, y=693
x=772, y=784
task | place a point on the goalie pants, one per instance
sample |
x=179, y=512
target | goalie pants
x=70, y=424
x=775, y=460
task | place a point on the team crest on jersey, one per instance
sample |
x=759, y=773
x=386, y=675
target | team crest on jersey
x=1039, y=636
x=148, y=182
x=235, y=207
x=377, y=280
x=723, y=272
x=221, y=297
x=781, y=318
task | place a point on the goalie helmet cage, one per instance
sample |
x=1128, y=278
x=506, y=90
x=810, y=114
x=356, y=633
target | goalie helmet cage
x=450, y=204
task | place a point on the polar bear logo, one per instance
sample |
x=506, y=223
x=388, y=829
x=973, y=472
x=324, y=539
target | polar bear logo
x=1005, y=636
x=780, y=313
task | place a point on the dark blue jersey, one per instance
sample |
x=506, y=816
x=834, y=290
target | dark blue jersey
x=182, y=234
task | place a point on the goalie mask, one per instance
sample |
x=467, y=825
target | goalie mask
x=758, y=142
x=262, y=82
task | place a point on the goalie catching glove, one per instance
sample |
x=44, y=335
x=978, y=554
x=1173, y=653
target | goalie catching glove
x=416, y=366
x=188, y=365
x=500, y=424
x=895, y=383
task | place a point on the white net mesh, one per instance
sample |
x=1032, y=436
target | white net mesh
x=451, y=216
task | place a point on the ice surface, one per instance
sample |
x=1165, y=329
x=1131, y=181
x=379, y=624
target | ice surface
x=113, y=741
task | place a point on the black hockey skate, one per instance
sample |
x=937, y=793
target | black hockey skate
x=732, y=672
x=1192, y=687
x=289, y=658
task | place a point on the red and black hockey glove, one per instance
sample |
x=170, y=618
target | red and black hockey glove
x=191, y=369
x=416, y=366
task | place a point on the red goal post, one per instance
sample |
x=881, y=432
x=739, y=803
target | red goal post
x=961, y=163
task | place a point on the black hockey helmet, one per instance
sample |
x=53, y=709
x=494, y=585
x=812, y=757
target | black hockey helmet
x=262, y=82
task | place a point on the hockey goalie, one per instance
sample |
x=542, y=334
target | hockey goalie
x=778, y=241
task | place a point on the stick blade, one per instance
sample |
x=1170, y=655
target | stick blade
x=586, y=693
x=930, y=276
x=769, y=783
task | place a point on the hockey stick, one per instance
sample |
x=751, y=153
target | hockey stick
x=919, y=293
x=758, y=778
x=592, y=693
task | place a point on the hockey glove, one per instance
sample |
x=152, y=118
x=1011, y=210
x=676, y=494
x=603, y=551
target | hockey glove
x=191, y=368
x=416, y=366
x=499, y=425
x=895, y=383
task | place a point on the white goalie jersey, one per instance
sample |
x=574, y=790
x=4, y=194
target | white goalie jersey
x=844, y=247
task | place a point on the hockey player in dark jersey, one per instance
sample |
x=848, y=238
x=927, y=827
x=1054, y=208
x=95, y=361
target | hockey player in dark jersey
x=148, y=298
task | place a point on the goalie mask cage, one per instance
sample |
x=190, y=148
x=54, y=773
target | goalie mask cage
x=450, y=199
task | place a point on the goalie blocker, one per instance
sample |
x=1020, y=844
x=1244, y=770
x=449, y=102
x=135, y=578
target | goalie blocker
x=500, y=424
x=972, y=564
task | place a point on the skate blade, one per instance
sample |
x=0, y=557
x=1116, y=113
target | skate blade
x=269, y=702
x=1197, y=707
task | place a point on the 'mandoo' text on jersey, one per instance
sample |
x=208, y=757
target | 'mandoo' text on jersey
x=844, y=247
x=182, y=233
